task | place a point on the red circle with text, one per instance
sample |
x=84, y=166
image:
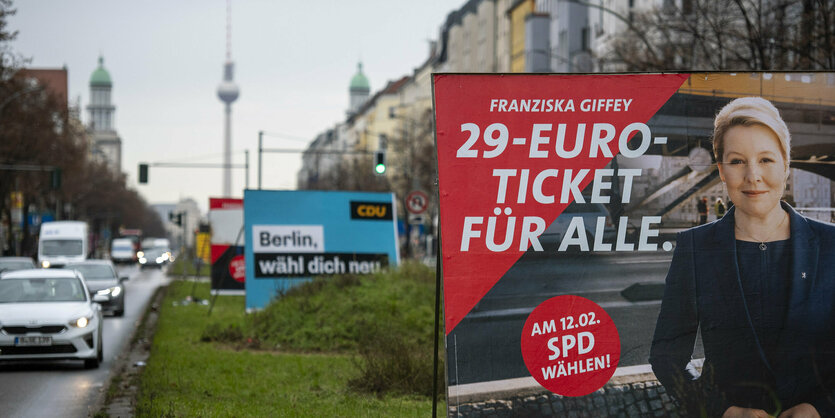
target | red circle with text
x=237, y=268
x=570, y=345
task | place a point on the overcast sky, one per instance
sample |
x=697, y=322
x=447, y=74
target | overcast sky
x=293, y=64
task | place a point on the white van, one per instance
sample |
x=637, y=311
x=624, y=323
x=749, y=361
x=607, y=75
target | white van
x=122, y=251
x=62, y=242
x=162, y=243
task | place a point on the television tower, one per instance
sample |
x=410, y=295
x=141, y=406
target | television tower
x=228, y=92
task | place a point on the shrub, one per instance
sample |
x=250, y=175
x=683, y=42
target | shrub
x=385, y=319
x=388, y=363
x=331, y=313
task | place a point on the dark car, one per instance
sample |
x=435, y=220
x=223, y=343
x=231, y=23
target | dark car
x=102, y=280
x=154, y=257
x=15, y=263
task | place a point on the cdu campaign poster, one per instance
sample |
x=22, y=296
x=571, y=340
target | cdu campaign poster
x=226, y=219
x=293, y=236
x=637, y=244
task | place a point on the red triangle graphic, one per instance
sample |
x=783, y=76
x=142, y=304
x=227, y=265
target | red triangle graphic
x=527, y=106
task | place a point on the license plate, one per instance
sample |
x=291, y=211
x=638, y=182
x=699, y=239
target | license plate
x=32, y=341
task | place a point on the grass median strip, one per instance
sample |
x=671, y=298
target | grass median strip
x=217, y=365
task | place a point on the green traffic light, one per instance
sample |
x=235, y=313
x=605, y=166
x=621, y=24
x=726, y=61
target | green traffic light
x=380, y=168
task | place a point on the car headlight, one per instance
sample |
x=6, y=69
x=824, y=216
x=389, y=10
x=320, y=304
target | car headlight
x=142, y=260
x=112, y=291
x=81, y=322
x=45, y=264
x=140, y=254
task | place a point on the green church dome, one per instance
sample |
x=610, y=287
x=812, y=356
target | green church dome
x=360, y=81
x=100, y=77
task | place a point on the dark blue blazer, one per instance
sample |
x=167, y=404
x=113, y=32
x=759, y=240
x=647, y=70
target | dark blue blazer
x=703, y=292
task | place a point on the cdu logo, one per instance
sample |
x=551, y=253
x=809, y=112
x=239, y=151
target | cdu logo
x=380, y=211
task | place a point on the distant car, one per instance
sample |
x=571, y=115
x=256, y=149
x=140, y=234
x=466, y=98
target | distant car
x=102, y=280
x=155, y=257
x=589, y=212
x=122, y=250
x=48, y=314
x=16, y=263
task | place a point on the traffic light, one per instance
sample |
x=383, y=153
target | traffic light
x=55, y=179
x=143, y=173
x=380, y=162
x=176, y=218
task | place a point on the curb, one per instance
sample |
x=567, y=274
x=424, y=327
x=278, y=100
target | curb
x=527, y=386
x=121, y=366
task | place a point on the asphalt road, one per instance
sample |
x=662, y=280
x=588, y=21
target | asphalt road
x=65, y=388
x=485, y=346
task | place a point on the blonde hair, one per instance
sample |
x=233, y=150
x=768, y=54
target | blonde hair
x=748, y=111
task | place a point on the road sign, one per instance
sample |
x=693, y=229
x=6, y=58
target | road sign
x=417, y=202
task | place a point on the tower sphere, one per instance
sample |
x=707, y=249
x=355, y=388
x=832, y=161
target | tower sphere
x=228, y=91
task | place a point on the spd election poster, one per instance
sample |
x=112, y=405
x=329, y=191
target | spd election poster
x=562, y=198
x=226, y=218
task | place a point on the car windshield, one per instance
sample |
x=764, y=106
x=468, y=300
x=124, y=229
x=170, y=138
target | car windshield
x=94, y=271
x=122, y=247
x=54, y=247
x=64, y=289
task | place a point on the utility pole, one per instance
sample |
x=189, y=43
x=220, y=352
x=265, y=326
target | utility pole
x=260, y=150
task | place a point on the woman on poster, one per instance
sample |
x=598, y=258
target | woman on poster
x=758, y=284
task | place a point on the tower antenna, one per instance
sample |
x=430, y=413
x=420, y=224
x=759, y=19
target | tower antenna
x=228, y=30
x=228, y=92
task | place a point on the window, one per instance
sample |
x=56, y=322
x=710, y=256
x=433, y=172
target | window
x=584, y=39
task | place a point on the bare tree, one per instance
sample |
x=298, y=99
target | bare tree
x=350, y=172
x=414, y=165
x=410, y=157
x=9, y=60
x=38, y=137
x=731, y=35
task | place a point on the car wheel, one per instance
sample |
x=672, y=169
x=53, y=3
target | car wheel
x=93, y=363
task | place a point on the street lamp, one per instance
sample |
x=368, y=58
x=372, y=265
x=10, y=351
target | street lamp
x=262, y=150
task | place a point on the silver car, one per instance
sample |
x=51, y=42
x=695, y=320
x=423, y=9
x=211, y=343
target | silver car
x=16, y=263
x=49, y=315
